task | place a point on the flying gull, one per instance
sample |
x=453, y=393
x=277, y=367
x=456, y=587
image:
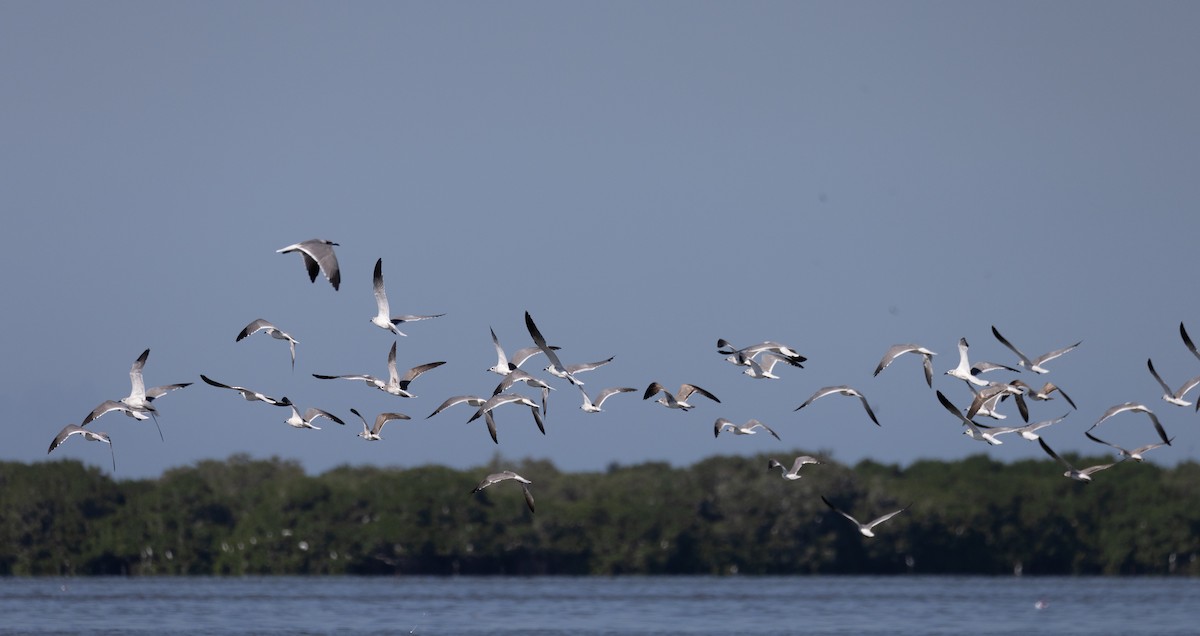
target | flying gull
x=91, y=436
x=572, y=369
x=895, y=351
x=1176, y=397
x=473, y=400
x=383, y=318
x=1135, y=454
x=679, y=400
x=1043, y=393
x=1135, y=407
x=318, y=256
x=743, y=356
x=248, y=394
x=794, y=473
x=259, y=324
x=866, y=529
x=1084, y=475
x=967, y=372
x=1033, y=364
x=763, y=368
x=722, y=425
x=496, y=478
x=395, y=385
x=310, y=415
x=504, y=364
x=590, y=406
x=840, y=390
x=975, y=430
x=371, y=434
x=1029, y=431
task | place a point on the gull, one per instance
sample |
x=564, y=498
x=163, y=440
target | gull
x=895, y=351
x=1135, y=454
x=259, y=324
x=248, y=394
x=1084, y=475
x=372, y=434
x=91, y=436
x=1188, y=341
x=841, y=390
x=318, y=256
x=473, y=400
x=590, y=406
x=496, y=478
x=1175, y=398
x=383, y=318
x=507, y=398
x=517, y=375
x=794, y=473
x=540, y=341
x=395, y=385
x=968, y=373
x=1043, y=393
x=866, y=529
x=743, y=356
x=723, y=424
x=140, y=397
x=295, y=421
x=975, y=430
x=504, y=364
x=679, y=400
x=1033, y=364
x=1029, y=431
x=762, y=369
x=109, y=406
x=572, y=369
x=1135, y=407
x=987, y=399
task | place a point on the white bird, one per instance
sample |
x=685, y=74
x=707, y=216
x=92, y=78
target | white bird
x=395, y=385
x=310, y=415
x=259, y=324
x=140, y=397
x=496, y=478
x=518, y=375
x=1176, y=397
x=988, y=398
x=248, y=394
x=742, y=357
x=590, y=406
x=1033, y=364
x=840, y=390
x=1043, y=393
x=1135, y=407
x=1135, y=454
x=540, y=341
x=722, y=425
x=794, y=473
x=975, y=430
x=1084, y=475
x=318, y=256
x=967, y=372
x=763, y=368
x=504, y=364
x=895, y=351
x=108, y=406
x=679, y=400
x=1029, y=431
x=1188, y=342
x=572, y=369
x=866, y=529
x=383, y=318
x=91, y=436
x=473, y=400
x=372, y=434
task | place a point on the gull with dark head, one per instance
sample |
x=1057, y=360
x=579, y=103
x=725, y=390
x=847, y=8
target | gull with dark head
x=866, y=529
x=743, y=356
x=91, y=436
x=1084, y=475
x=395, y=384
x=371, y=434
x=259, y=324
x=895, y=351
x=496, y=478
x=1175, y=397
x=722, y=425
x=310, y=415
x=248, y=394
x=383, y=318
x=794, y=473
x=318, y=256
x=590, y=406
x=679, y=399
x=840, y=390
x=1135, y=454
x=1033, y=364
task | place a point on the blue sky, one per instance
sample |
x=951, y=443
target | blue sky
x=643, y=177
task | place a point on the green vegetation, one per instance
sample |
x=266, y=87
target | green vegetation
x=721, y=515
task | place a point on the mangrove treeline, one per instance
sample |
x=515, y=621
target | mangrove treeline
x=719, y=516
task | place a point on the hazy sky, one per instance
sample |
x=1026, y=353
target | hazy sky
x=644, y=177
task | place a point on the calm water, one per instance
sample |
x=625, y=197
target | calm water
x=626, y=605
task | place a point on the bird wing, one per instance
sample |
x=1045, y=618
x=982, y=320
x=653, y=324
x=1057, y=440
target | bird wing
x=381, y=301
x=1024, y=358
